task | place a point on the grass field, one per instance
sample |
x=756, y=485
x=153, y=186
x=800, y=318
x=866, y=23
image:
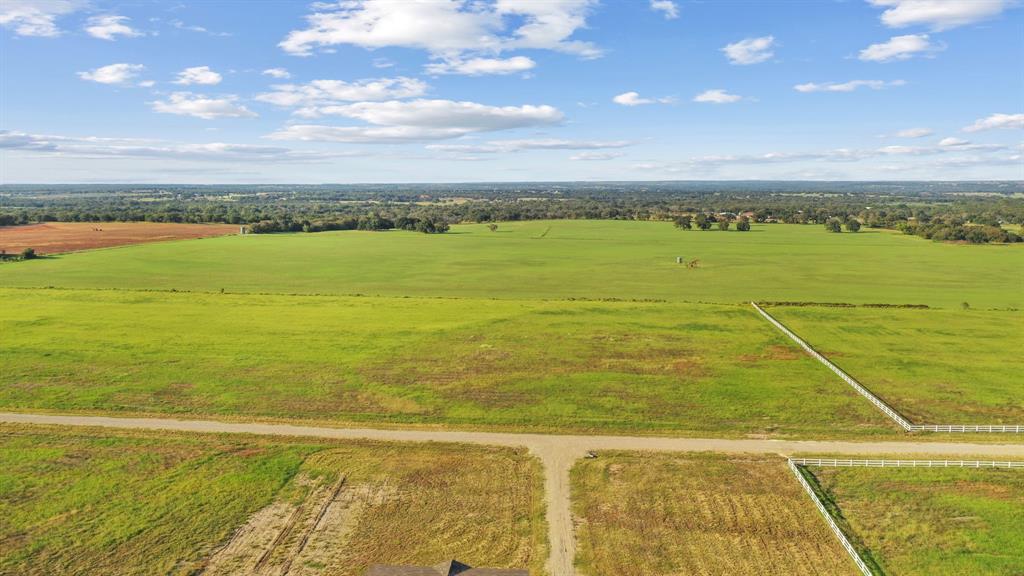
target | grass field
x=934, y=366
x=643, y=514
x=931, y=522
x=617, y=366
x=101, y=502
x=561, y=259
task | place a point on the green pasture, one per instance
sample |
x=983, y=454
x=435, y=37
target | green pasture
x=934, y=366
x=512, y=364
x=931, y=522
x=558, y=260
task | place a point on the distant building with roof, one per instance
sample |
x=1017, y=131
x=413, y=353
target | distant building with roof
x=449, y=568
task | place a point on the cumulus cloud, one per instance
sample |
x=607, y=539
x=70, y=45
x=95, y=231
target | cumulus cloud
x=107, y=26
x=898, y=48
x=446, y=28
x=666, y=7
x=847, y=86
x=199, y=106
x=996, y=121
x=279, y=73
x=95, y=147
x=595, y=156
x=318, y=93
x=417, y=120
x=634, y=99
x=112, y=73
x=938, y=14
x=36, y=17
x=950, y=141
x=499, y=146
x=717, y=96
x=914, y=133
x=750, y=50
x=481, y=66
x=198, y=75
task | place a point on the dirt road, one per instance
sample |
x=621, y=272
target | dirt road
x=558, y=453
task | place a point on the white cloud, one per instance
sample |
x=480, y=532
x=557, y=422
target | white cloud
x=446, y=28
x=898, y=48
x=668, y=7
x=593, y=156
x=280, y=73
x=914, y=133
x=717, y=96
x=107, y=26
x=36, y=17
x=198, y=75
x=634, y=99
x=95, y=147
x=938, y=14
x=500, y=146
x=996, y=121
x=950, y=141
x=481, y=66
x=329, y=92
x=199, y=106
x=404, y=121
x=847, y=86
x=147, y=83
x=112, y=73
x=750, y=50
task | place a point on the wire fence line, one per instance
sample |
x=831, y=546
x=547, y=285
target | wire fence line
x=837, y=462
x=878, y=402
x=831, y=521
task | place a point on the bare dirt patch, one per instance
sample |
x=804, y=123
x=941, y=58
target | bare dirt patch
x=57, y=237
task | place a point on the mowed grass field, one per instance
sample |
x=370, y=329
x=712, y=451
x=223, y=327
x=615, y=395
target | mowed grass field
x=561, y=259
x=931, y=522
x=105, y=502
x=643, y=514
x=934, y=366
x=542, y=365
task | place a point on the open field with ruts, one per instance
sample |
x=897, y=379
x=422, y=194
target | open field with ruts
x=641, y=514
x=59, y=237
x=77, y=501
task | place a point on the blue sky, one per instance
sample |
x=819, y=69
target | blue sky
x=451, y=90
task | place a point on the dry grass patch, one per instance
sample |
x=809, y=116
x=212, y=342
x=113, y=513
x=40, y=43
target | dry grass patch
x=650, y=514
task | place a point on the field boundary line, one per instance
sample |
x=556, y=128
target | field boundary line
x=840, y=463
x=886, y=409
x=861, y=565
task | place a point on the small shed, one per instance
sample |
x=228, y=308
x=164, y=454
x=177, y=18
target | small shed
x=449, y=568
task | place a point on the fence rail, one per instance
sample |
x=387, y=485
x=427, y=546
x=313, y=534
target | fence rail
x=878, y=402
x=831, y=522
x=833, y=462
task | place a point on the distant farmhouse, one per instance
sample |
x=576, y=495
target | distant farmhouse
x=450, y=568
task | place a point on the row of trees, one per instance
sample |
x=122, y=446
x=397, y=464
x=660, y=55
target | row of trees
x=373, y=221
x=836, y=225
x=707, y=221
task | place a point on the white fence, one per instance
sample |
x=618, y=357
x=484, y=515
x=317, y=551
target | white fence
x=831, y=522
x=885, y=408
x=833, y=462
x=878, y=402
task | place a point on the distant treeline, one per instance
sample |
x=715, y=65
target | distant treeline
x=970, y=212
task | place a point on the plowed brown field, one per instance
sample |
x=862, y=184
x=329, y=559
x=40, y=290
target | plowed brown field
x=56, y=237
